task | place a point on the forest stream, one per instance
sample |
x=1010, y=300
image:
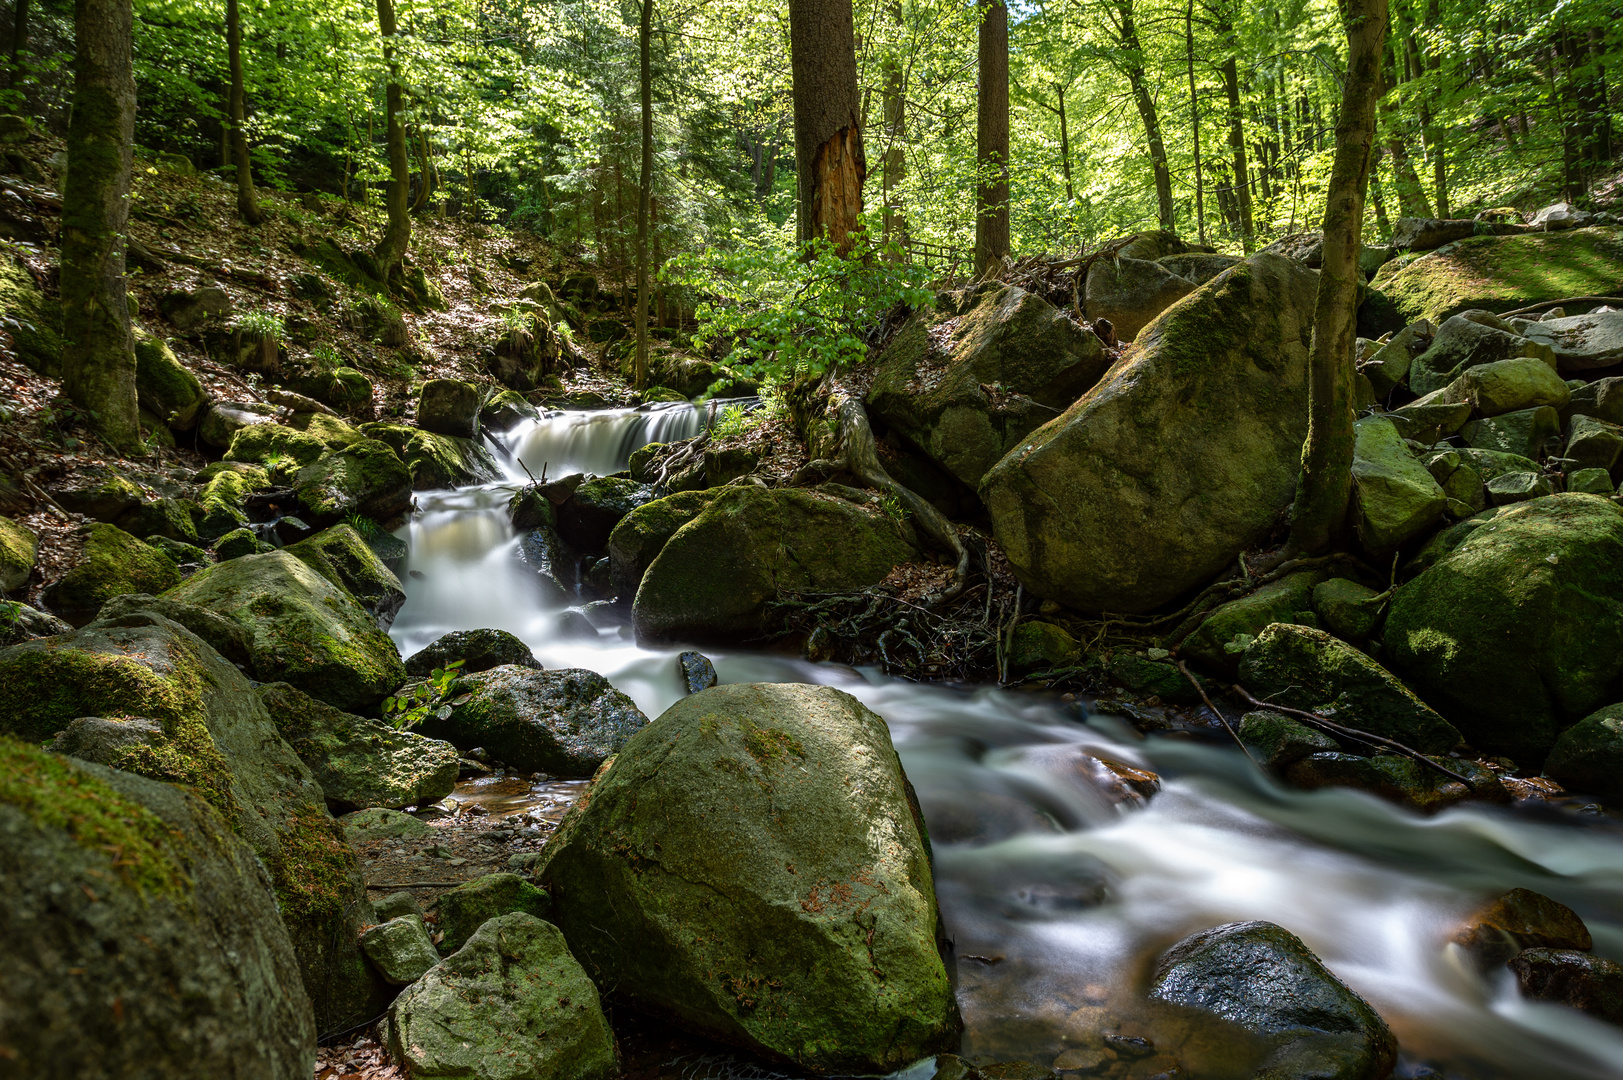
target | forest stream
x=1056, y=894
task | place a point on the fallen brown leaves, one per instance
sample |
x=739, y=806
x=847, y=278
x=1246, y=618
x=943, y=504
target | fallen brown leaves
x=360, y=1058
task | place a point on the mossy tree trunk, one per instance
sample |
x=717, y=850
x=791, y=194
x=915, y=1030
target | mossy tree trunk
x=830, y=165
x=391, y=249
x=98, y=352
x=645, y=186
x=1325, y=485
x=247, y=198
x=992, y=142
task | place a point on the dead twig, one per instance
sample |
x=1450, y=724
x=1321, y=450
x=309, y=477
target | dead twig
x=1201, y=690
x=1562, y=303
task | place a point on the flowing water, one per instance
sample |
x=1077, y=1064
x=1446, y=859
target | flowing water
x=1057, y=898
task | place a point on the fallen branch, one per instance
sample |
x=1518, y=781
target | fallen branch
x=1561, y=303
x=417, y=884
x=1315, y=720
x=1201, y=690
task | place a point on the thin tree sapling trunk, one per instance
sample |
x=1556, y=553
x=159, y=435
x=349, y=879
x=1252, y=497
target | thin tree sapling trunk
x=1133, y=53
x=19, y=42
x=247, y=198
x=992, y=142
x=396, y=240
x=645, y=187
x=1194, y=115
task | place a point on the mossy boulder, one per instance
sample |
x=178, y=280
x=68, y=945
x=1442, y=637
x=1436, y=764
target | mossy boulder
x=19, y=548
x=303, y=629
x=162, y=518
x=367, y=826
x=1522, y=382
x=436, y=461
x=1503, y=273
x=1347, y=609
x=19, y=622
x=507, y=408
x=479, y=650
x=1582, y=342
x=340, y=555
x=640, y=536
x=225, y=486
x=1262, y=978
x=1397, y=778
x=1526, y=432
x=1303, y=668
x=400, y=948
x=1223, y=636
x=1102, y=511
x=715, y=575
x=464, y=909
x=752, y=867
x=239, y=542
x=359, y=762
x=223, y=635
x=344, y=389
x=1464, y=342
x=1518, y=630
x=1275, y=741
x=117, y=891
x=1593, y=444
x=449, y=407
x=366, y=478
x=114, y=562
x=1004, y=369
x=332, y=432
x=512, y=1004
x=589, y=515
x=163, y=385
x=1131, y=292
x=529, y=509
x=1040, y=646
x=98, y=492
x=1395, y=498
x=1588, y=757
x=214, y=736
x=561, y=722
x=35, y=323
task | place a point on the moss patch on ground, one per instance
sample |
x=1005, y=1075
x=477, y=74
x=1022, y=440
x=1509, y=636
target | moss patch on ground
x=1502, y=273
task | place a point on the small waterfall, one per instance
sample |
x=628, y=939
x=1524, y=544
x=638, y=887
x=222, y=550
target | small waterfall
x=1056, y=899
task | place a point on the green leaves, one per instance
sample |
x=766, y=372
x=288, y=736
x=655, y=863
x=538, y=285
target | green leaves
x=415, y=703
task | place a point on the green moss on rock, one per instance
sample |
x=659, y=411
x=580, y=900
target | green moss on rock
x=466, y=908
x=262, y=444
x=640, y=536
x=366, y=478
x=114, y=562
x=36, y=324
x=164, y=386
x=19, y=547
x=1502, y=273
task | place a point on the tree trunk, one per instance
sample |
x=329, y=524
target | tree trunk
x=19, y=42
x=1383, y=225
x=829, y=163
x=1436, y=137
x=645, y=187
x=392, y=248
x=992, y=142
x=1133, y=52
x=1242, y=180
x=424, y=168
x=247, y=198
x=98, y=352
x=1194, y=115
x=1325, y=486
x=1065, y=147
x=1411, y=196
x=895, y=157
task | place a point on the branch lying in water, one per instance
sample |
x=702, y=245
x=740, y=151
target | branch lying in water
x=1201, y=690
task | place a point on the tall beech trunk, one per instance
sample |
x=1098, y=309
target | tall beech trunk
x=895, y=170
x=992, y=142
x=1194, y=115
x=1411, y=195
x=829, y=163
x=98, y=351
x=1325, y=485
x=645, y=186
x=1133, y=53
x=1436, y=136
x=247, y=198
x=19, y=42
x=1242, y=179
x=392, y=248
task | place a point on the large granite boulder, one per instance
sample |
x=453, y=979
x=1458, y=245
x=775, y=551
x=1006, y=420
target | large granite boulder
x=713, y=578
x=1518, y=630
x=164, y=387
x=1582, y=342
x=1462, y=343
x=512, y=1004
x=302, y=628
x=19, y=548
x=560, y=722
x=1002, y=370
x=463, y=910
x=752, y=867
x=1588, y=757
x=141, y=937
x=642, y=534
x=1503, y=273
x=114, y=562
x=340, y=555
x=449, y=407
x=143, y=694
x=366, y=478
x=1131, y=293
x=1395, y=498
x=1102, y=510
x=1263, y=978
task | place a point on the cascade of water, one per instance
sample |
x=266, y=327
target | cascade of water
x=1051, y=893
x=599, y=442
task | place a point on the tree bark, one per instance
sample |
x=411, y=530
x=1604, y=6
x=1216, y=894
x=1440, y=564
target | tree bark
x=1065, y=146
x=645, y=186
x=1325, y=485
x=1133, y=54
x=1194, y=115
x=1411, y=195
x=392, y=248
x=19, y=42
x=98, y=351
x=829, y=163
x=895, y=171
x=1436, y=137
x=992, y=142
x=247, y=198
x=1242, y=179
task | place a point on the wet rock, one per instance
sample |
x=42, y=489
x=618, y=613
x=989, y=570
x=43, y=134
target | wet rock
x=1588, y=757
x=366, y=478
x=19, y=622
x=697, y=672
x=559, y=722
x=1038, y=646
x=344, y=559
x=742, y=832
x=1099, y=511
x=640, y=536
x=365, y=826
x=596, y=507
x=1460, y=344
x=1593, y=444
x=1347, y=609
x=529, y=509
x=1578, y=980
x=1526, y=433
x=1005, y=368
x=1263, y=978
x=1222, y=637
x=223, y=635
x=479, y=650
x=1309, y=670
x=553, y=561
x=360, y=762
x=1131, y=293
x=1520, y=919
x=571, y=625
x=464, y=909
x=302, y=628
x=1396, y=778
x=712, y=579
x=400, y=949
x=1275, y=741
x=147, y=891
x=114, y=562
x=1519, y=629
x=163, y=385
x=218, y=740
x=223, y=419
x=1582, y=342
x=511, y=1005
x=449, y=407
x=19, y=547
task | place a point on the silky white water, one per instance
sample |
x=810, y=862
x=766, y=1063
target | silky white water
x=1072, y=900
